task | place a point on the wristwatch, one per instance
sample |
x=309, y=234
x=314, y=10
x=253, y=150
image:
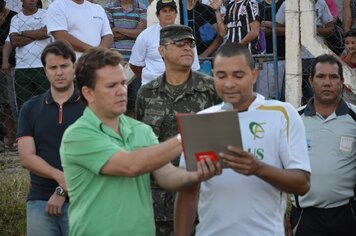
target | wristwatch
x=179, y=138
x=60, y=191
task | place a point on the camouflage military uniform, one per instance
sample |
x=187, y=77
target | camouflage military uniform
x=157, y=105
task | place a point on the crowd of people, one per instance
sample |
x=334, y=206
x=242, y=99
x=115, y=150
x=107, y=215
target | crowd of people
x=104, y=151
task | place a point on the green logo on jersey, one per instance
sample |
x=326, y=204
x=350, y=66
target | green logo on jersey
x=257, y=152
x=257, y=130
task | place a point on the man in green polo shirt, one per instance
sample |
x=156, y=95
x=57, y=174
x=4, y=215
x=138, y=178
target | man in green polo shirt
x=107, y=157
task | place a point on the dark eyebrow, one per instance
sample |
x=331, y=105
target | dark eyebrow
x=234, y=72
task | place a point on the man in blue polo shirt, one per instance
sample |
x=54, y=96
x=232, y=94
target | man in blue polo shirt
x=42, y=122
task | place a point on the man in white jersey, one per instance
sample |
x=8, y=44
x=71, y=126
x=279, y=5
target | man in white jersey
x=328, y=208
x=145, y=60
x=249, y=198
x=82, y=23
x=28, y=34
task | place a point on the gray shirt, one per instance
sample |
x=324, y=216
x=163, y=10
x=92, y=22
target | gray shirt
x=332, y=153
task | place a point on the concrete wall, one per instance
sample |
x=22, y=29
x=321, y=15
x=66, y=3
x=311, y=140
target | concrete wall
x=299, y=31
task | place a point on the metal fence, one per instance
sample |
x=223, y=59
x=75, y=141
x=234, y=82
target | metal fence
x=270, y=82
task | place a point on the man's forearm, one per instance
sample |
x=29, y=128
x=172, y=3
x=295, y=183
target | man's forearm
x=185, y=209
x=248, y=38
x=137, y=70
x=143, y=160
x=131, y=33
x=221, y=27
x=37, y=34
x=172, y=178
x=281, y=30
x=253, y=34
x=346, y=14
x=39, y=166
x=287, y=180
x=212, y=47
x=325, y=31
x=77, y=44
x=106, y=41
x=19, y=41
x=6, y=51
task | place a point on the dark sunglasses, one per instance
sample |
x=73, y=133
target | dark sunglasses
x=182, y=43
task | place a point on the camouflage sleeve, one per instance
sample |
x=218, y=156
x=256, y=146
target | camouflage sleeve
x=140, y=105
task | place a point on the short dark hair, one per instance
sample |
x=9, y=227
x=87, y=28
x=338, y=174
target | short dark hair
x=327, y=58
x=90, y=62
x=351, y=33
x=58, y=48
x=236, y=49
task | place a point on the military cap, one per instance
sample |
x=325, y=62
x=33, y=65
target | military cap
x=165, y=3
x=175, y=33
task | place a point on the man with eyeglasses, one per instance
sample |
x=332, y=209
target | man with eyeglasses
x=145, y=60
x=178, y=90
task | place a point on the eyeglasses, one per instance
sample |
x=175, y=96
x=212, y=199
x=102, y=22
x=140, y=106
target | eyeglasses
x=181, y=43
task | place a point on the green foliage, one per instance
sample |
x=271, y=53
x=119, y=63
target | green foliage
x=14, y=183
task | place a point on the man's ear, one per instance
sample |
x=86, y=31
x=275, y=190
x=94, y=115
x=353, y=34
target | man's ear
x=255, y=73
x=88, y=94
x=161, y=50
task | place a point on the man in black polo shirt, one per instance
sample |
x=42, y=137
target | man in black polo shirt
x=42, y=122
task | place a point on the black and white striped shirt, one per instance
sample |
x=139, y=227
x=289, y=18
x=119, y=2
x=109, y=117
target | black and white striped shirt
x=239, y=15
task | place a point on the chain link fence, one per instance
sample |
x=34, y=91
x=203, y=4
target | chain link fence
x=202, y=19
x=22, y=75
x=27, y=78
x=19, y=83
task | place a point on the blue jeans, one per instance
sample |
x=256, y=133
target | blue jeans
x=39, y=223
x=132, y=90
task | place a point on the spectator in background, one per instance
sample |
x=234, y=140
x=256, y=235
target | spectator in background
x=349, y=15
x=127, y=19
x=145, y=60
x=28, y=34
x=328, y=208
x=266, y=84
x=335, y=40
x=42, y=122
x=178, y=90
x=222, y=8
x=240, y=23
x=7, y=96
x=81, y=23
x=324, y=27
x=350, y=60
x=202, y=19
